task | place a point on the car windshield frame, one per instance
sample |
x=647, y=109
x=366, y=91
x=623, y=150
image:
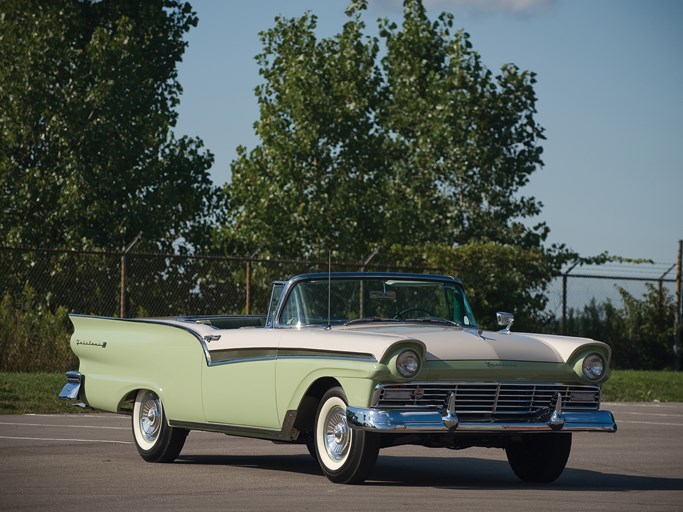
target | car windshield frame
x=334, y=299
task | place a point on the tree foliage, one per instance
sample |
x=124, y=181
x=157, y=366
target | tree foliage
x=640, y=330
x=315, y=183
x=498, y=277
x=368, y=142
x=88, y=91
x=403, y=143
x=462, y=142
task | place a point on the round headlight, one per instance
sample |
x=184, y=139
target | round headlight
x=594, y=366
x=408, y=364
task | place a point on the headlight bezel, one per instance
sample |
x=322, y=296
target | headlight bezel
x=594, y=366
x=408, y=363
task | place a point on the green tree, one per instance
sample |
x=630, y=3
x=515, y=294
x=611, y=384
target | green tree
x=640, y=331
x=461, y=142
x=422, y=145
x=88, y=91
x=404, y=143
x=497, y=277
x=315, y=183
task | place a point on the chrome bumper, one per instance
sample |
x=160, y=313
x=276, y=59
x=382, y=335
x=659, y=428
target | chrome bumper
x=72, y=389
x=434, y=421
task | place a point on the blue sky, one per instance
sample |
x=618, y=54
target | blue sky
x=610, y=97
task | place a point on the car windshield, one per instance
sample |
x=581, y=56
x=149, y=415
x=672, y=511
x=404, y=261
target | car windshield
x=355, y=300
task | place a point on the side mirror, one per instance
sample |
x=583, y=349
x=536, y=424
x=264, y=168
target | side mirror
x=505, y=320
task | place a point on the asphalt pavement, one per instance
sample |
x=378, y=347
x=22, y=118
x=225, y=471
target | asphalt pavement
x=89, y=462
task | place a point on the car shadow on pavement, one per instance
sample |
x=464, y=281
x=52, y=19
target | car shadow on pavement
x=302, y=464
x=444, y=472
x=469, y=473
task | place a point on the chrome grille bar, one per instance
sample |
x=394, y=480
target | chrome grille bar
x=476, y=399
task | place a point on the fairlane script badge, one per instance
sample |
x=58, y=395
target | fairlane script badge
x=102, y=344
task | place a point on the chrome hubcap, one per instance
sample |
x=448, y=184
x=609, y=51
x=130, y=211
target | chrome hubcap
x=150, y=418
x=337, y=434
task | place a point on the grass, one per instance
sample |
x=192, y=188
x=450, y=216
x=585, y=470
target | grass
x=642, y=386
x=33, y=393
x=36, y=393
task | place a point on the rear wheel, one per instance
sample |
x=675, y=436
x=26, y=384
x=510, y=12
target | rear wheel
x=154, y=439
x=346, y=455
x=540, y=458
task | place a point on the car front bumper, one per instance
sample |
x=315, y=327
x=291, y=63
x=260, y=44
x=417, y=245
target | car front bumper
x=435, y=421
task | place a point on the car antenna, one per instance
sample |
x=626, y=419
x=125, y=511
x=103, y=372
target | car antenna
x=329, y=290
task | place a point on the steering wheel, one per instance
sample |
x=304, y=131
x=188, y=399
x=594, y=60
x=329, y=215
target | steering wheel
x=400, y=314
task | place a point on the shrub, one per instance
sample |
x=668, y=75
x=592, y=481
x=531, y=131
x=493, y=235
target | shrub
x=33, y=337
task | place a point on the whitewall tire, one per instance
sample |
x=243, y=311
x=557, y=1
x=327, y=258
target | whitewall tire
x=154, y=439
x=345, y=455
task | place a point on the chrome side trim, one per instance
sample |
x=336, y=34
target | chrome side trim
x=246, y=355
x=240, y=355
x=434, y=421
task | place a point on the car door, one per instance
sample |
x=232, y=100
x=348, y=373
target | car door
x=238, y=385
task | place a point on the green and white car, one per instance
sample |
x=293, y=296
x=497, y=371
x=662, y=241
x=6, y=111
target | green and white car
x=347, y=363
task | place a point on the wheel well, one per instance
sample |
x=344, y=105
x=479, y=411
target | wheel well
x=126, y=403
x=305, y=417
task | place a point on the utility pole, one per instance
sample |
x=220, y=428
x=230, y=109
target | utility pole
x=678, y=316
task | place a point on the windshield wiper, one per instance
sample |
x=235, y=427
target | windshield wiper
x=369, y=319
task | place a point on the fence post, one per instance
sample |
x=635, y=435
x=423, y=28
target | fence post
x=564, y=296
x=362, y=290
x=678, y=316
x=122, y=292
x=247, y=306
x=369, y=259
x=660, y=295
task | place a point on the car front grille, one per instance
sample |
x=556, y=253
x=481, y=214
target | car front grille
x=477, y=401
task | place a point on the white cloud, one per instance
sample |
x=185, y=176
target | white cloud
x=516, y=6
x=511, y=6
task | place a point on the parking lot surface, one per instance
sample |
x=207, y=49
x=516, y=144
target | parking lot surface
x=89, y=462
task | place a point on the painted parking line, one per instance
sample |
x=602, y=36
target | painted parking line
x=645, y=405
x=60, y=426
x=89, y=415
x=661, y=423
x=651, y=414
x=65, y=440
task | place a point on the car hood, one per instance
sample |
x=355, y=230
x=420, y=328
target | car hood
x=448, y=343
x=442, y=343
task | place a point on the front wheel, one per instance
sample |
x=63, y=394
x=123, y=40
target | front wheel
x=154, y=439
x=346, y=455
x=540, y=458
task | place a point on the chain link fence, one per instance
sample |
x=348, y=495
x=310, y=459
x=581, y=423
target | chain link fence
x=117, y=284
x=38, y=288
x=149, y=284
x=573, y=291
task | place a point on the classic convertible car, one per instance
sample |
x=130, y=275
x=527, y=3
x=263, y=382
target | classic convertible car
x=347, y=363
